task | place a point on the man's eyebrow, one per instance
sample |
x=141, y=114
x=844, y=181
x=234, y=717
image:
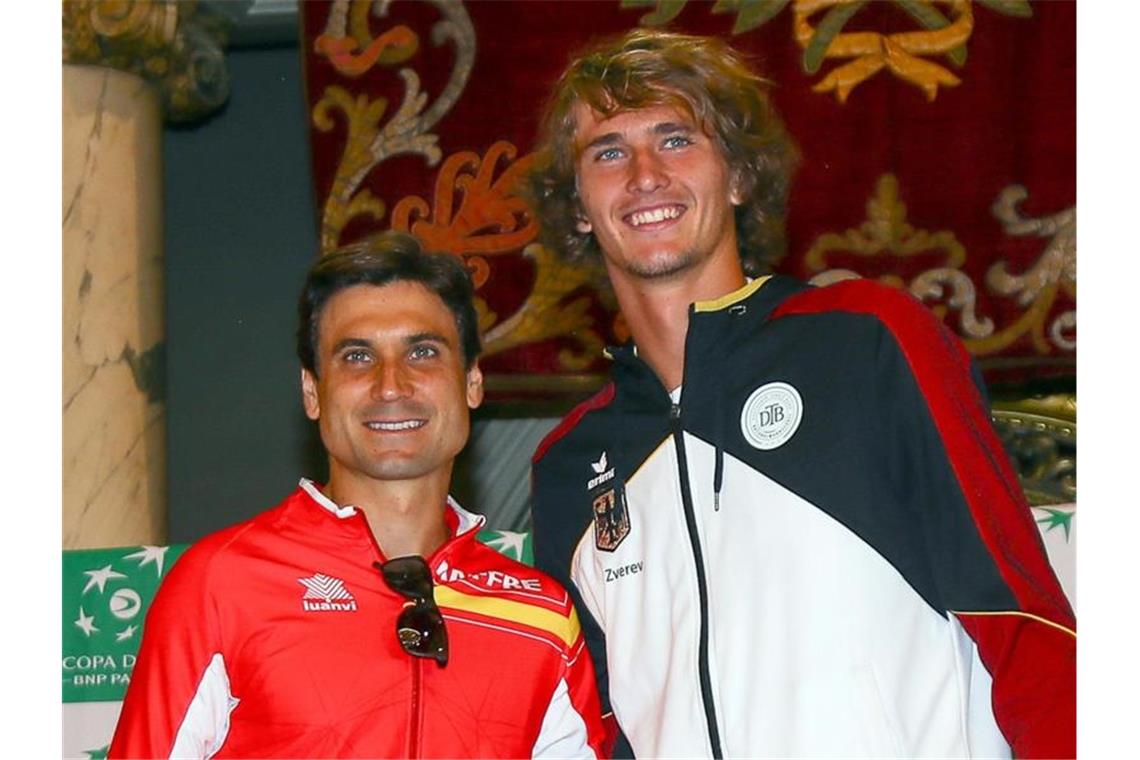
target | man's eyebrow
x=426, y=337
x=609, y=138
x=672, y=127
x=344, y=343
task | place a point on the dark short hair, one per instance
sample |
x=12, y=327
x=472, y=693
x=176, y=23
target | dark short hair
x=704, y=77
x=381, y=260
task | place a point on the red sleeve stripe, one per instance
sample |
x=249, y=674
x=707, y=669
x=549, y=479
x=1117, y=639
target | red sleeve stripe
x=941, y=368
x=597, y=401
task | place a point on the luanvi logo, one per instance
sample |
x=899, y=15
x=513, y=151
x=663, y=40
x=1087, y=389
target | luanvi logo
x=326, y=594
x=604, y=473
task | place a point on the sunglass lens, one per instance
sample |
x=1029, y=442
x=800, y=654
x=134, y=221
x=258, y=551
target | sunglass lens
x=422, y=633
x=409, y=576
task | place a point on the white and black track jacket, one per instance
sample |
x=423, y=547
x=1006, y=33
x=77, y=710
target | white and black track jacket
x=820, y=551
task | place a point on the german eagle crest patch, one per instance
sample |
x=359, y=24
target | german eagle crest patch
x=611, y=520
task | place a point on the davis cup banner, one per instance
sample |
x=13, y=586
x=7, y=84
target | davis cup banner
x=106, y=594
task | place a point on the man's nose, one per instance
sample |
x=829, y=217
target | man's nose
x=646, y=172
x=391, y=382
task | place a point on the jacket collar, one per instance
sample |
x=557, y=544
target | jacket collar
x=757, y=298
x=459, y=520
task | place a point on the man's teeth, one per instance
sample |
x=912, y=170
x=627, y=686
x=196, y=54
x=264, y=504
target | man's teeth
x=656, y=215
x=404, y=425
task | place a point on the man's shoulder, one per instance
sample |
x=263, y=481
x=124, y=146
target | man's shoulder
x=889, y=305
x=573, y=420
x=233, y=541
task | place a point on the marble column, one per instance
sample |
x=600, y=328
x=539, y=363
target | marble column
x=127, y=67
x=113, y=420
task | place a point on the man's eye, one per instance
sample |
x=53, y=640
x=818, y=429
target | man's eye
x=609, y=154
x=677, y=141
x=356, y=355
x=423, y=352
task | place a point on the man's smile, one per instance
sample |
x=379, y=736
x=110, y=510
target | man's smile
x=395, y=426
x=656, y=215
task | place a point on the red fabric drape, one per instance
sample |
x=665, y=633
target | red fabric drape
x=949, y=171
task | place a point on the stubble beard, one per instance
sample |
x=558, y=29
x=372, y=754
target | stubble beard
x=661, y=266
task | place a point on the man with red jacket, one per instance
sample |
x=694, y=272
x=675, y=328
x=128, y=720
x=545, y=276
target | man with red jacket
x=361, y=618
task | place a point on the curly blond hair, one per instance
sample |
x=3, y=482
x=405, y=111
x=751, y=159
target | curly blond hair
x=704, y=77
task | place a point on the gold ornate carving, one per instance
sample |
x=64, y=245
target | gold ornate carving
x=368, y=144
x=1055, y=270
x=172, y=44
x=475, y=213
x=491, y=219
x=818, y=28
x=544, y=315
x=1040, y=436
x=886, y=232
x=903, y=53
x=347, y=31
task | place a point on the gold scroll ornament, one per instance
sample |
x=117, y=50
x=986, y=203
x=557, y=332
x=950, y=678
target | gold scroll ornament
x=176, y=46
x=886, y=232
x=369, y=142
x=818, y=28
x=474, y=212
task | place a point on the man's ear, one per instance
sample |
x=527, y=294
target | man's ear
x=474, y=386
x=581, y=223
x=309, y=395
x=735, y=194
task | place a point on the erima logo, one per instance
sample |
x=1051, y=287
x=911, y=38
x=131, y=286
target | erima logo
x=771, y=415
x=603, y=474
x=326, y=594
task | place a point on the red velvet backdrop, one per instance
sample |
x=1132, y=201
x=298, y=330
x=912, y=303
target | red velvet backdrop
x=938, y=141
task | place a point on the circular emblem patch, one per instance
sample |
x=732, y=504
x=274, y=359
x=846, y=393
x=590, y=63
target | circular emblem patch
x=771, y=415
x=125, y=603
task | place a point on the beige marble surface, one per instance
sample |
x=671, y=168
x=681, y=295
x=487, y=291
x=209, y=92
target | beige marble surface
x=113, y=434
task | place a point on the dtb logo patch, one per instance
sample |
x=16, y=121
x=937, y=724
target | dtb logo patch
x=611, y=521
x=771, y=415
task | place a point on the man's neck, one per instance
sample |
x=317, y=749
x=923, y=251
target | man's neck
x=406, y=516
x=657, y=312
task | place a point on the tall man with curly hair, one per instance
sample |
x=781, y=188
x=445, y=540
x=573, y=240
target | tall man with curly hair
x=786, y=521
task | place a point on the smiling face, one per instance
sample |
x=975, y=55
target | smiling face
x=392, y=397
x=655, y=191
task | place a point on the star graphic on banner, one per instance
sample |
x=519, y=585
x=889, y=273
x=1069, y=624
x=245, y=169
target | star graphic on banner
x=100, y=577
x=86, y=622
x=151, y=554
x=98, y=754
x=1057, y=517
x=508, y=542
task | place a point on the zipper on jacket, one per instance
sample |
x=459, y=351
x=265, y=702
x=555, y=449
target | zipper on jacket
x=702, y=587
x=417, y=709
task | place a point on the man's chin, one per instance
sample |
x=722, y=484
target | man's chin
x=661, y=266
x=399, y=469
